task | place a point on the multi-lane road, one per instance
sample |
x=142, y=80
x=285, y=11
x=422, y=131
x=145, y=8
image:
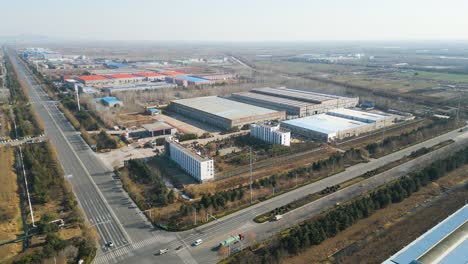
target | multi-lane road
x=116, y=219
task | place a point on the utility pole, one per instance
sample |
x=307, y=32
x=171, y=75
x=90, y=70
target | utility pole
x=250, y=148
x=383, y=132
x=458, y=109
x=77, y=97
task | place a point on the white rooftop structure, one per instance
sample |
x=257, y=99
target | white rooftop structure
x=363, y=116
x=324, y=123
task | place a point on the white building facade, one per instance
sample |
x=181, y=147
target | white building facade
x=271, y=134
x=198, y=167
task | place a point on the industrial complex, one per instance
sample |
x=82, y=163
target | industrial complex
x=337, y=124
x=224, y=113
x=295, y=102
x=200, y=168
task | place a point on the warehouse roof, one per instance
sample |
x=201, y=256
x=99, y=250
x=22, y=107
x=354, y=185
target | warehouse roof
x=173, y=73
x=148, y=74
x=324, y=123
x=300, y=95
x=157, y=126
x=446, y=243
x=367, y=117
x=92, y=78
x=122, y=76
x=191, y=79
x=110, y=99
x=225, y=108
x=269, y=98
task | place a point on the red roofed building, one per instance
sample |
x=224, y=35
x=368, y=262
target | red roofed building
x=125, y=77
x=173, y=73
x=151, y=76
x=93, y=79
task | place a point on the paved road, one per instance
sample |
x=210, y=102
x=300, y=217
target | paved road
x=241, y=222
x=106, y=206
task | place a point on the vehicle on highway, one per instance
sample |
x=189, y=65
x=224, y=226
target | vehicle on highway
x=197, y=242
x=163, y=251
x=231, y=240
x=179, y=247
x=110, y=244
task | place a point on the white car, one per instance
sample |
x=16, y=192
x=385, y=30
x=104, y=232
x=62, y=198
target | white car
x=110, y=244
x=162, y=251
x=197, y=242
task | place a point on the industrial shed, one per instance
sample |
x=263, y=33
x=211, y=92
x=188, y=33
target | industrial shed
x=295, y=102
x=325, y=127
x=322, y=102
x=224, y=113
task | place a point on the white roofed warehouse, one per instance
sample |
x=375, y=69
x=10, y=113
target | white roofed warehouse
x=337, y=124
x=224, y=113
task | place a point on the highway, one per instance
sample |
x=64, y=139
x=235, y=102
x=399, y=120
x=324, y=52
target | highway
x=242, y=221
x=110, y=210
x=106, y=206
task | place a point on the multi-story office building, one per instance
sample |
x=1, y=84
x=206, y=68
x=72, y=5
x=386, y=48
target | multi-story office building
x=273, y=134
x=200, y=168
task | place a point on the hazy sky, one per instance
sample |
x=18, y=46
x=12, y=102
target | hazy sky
x=237, y=20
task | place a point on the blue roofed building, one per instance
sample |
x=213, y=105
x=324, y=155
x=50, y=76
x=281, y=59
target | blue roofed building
x=185, y=80
x=110, y=101
x=446, y=243
x=115, y=65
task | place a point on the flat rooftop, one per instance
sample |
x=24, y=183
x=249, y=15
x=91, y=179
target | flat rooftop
x=157, y=126
x=191, y=79
x=148, y=74
x=92, y=78
x=324, y=123
x=273, y=99
x=225, y=108
x=188, y=151
x=358, y=114
x=123, y=76
x=300, y=95
x=446, y=243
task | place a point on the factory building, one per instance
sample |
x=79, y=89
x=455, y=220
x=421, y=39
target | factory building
x=445, y=243
x=122, y=78
x=318, y=102
x=337, y=124
x=110, y=101
x=200, y=168
x=292, y=107
x=151, y=76
x=224, y=113
x=185, y=81
x=94, y=80
x=136, y=87
x=270, y=133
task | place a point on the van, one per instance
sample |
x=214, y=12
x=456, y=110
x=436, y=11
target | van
x=278, y=217
x=197, y=242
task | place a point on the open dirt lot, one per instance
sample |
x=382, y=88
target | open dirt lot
x=392, y=228
x=10, y=222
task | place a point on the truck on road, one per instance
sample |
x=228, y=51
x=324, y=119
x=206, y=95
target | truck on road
x=232, y=240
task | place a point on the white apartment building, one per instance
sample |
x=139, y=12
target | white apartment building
x=271, y=133
x=200, y=168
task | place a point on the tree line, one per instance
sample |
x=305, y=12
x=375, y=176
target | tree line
x=315, y=231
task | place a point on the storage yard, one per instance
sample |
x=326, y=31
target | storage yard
x=224, y=113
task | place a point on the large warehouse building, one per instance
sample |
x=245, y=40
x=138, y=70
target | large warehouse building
x=337, y=124
x=224, y=113
x=295, y=102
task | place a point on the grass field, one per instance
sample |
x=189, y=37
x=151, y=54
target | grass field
x=10, y=216
x=448, y=77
